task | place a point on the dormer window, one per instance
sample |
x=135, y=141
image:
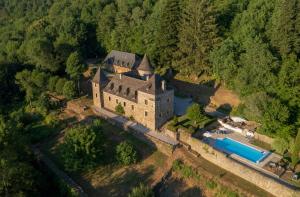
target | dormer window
x=112, y=85
x=135, y=94
x=127, y=91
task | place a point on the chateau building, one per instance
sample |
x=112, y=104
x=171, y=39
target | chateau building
x=143, y=95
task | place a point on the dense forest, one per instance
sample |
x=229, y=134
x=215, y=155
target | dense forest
x=251, y=46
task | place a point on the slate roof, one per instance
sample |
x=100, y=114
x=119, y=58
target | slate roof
x=145, y=65
x=124, y=59
x=127, y=85
x=99, y=77
x=154, y=85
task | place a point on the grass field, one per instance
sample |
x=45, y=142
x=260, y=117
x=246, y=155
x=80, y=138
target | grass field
x=111, y=178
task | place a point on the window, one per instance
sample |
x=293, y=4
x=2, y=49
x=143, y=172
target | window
x=146, y=102
x=112, y=86
x=95, y=85
x=160, y=114
x=146, y=113
x=117, y=101
x=168, y=100
x=124, y=104
x=135, y=94
x=127, y=91
x=120, y=88
x=109, y=98
x=96, y=95
x=132, y=107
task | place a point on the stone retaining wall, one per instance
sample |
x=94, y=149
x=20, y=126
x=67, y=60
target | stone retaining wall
x=220, y=159
x=155, y=143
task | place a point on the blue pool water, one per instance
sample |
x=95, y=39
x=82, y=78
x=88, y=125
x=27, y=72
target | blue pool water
x=231, y=146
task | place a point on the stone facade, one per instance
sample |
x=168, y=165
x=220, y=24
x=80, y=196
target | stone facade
x=120, y=69
x=145, y=98
x=151, y=111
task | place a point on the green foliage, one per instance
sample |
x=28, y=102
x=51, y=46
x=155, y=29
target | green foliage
x=69, y=90
x=17, y=178
x=82, y=147
x=296, y=150
x=184, y=170
x=126, y=153
x=141, y=191
x=52, y=83
x=75, y=67
x=211, y=184
x=195, y=113
x=119, y=109
x=280, y=145
x=59, y=87
x=168, y=32
x=195, y=43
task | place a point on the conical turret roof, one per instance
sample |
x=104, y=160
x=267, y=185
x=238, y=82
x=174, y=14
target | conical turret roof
x=99, y=77
x=145, y=65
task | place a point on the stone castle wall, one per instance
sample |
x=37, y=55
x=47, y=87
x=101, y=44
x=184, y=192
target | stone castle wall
x=149, y=110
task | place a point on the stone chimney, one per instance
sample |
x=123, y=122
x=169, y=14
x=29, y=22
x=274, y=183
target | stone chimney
x=163, y=85
x=120, y=75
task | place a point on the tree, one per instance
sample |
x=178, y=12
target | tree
x=16, y=178
x=75, y=67
x=59, y=87
x=40, y=52
x=119, y=109
x=197, y=36
x=168, y=32
x=32, y=82
x=52, y=83
x=82, y=148
x=141, y=191
x=280, y=144
x=283, y=27
x=125, y=153
x=69, y=90
x=296, y=150
x=195, y=113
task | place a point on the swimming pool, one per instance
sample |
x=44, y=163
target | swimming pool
x=231, y=146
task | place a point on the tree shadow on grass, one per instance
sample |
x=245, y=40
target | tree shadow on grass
x=192, y=192
x=118, y=182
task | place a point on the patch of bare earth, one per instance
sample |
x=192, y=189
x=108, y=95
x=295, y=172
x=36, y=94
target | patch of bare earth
x=115, y=180
x=205, y=91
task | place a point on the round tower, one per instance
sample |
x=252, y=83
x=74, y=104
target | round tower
x=145, y=69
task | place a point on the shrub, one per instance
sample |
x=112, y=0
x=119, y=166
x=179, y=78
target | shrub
x=126, y=154
x=52, y=83
x=296, y=150
x=195, y=113
x=69, y=90
x=60, y=85
x=211, y=184
x=51, y=119
x=184, y=170
x=141, y=191
x=119, y=109
x=280, y=144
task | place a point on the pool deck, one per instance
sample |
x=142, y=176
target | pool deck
x=244, y=140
